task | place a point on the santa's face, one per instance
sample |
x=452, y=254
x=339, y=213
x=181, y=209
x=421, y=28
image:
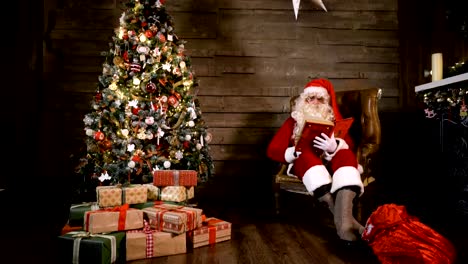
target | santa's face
x=311, y=106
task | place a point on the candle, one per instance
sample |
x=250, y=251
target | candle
x=437, y=66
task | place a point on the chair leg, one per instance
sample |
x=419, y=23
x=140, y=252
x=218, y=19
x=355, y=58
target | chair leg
x=276, y=194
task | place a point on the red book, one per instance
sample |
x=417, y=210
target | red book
x=175, y=178
x=314, y=128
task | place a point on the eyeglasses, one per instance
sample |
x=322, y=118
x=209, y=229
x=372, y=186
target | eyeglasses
x=312, y=98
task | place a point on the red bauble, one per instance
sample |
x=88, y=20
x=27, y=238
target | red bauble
x=98, y=96
x=186, y=144
x=98, y=135
x=136, y=158
x=162, y=38
x=151, y=87
x=149, y=33
x=172, y=100
x=135, y=110
x=125, y=56
x=105, y=144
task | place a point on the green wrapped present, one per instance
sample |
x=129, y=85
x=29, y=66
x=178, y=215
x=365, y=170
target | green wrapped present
x=83, y=247
x=77, y=212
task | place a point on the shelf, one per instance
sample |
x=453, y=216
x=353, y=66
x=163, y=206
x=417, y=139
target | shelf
x=443, y=82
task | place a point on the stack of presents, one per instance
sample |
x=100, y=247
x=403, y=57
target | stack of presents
x=140, y=221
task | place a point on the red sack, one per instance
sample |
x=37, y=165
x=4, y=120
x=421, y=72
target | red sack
x=398, y=238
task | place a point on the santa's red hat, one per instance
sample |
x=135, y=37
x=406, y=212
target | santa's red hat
x=324, y=86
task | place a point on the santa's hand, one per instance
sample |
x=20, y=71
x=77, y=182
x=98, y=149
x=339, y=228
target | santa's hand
x=326, y=143
x=291, y=154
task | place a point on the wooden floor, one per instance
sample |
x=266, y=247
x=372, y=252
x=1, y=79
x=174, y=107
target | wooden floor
x=303, y=233
x=259, y=237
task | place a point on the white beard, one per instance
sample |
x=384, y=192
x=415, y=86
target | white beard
x=302, y=111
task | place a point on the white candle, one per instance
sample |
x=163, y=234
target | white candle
x=437, y=66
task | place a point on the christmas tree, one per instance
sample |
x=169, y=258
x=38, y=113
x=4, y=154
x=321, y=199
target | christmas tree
x=145, y=115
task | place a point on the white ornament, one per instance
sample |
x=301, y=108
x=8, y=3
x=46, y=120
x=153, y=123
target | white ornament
x=167, y=164
x=149, y=120
x=188, y=137
x=104, y=176
x=179, y=155
x=131, y=164
x=130, y=147
x=89, y=132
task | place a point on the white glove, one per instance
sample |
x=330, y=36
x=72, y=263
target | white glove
x=291, y=154
x=326, y=143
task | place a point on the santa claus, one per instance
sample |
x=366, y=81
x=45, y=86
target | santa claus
x=337, y=190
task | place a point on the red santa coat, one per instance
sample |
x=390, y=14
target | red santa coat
x=283, y=139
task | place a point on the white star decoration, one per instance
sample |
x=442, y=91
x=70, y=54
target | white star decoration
x=297, y=3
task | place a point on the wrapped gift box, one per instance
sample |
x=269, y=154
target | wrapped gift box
x=82, y=247
x=173, y=218
x=177, y=193
x=175, y=178
x=149, y=243
x=212, y=231
x=134, y=194
x=152, y=192
x=113, y=219
x=108, y=196
x=77, y=212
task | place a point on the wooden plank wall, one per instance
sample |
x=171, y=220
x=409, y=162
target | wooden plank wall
x=249, y=56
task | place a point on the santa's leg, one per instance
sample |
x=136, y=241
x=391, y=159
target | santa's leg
x=347, y=185
x=325, y=197
x=346, y=224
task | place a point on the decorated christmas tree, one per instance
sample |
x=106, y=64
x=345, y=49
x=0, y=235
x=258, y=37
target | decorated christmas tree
x=145, y=115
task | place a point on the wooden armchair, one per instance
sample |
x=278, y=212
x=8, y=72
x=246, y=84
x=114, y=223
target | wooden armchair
x=365, y=131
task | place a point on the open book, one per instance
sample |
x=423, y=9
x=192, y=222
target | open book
x=313, y=128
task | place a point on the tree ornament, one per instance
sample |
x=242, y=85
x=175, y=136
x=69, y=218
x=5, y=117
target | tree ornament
x=149, y=33
x=99, y=136
x=118, y=61
x=151, y=87
x=161, y=37
x=105, y=144
x=98, y=96
x=135, y=66
x=135, y=110
x=172, y=101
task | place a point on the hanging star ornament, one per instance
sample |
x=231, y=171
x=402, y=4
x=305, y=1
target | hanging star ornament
x=297, y=3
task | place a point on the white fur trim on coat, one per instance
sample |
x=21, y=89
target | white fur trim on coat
x=289, y=154
x=315, y=177
x=316, y=89
x=346, y=176
x=341, y=145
